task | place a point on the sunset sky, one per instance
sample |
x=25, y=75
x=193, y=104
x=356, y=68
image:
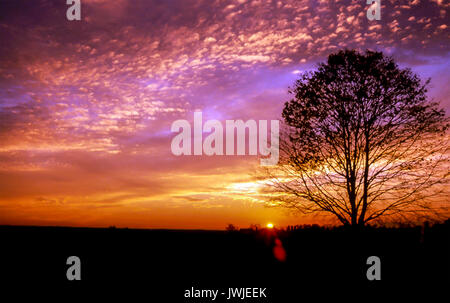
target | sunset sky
x=86, y=106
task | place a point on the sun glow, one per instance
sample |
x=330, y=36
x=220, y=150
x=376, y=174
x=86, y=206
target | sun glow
x=248, y=187
x=269, y=225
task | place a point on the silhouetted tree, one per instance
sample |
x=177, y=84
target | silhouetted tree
x=361, y=141
x=231, y=227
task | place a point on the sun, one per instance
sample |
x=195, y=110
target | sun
x=269, y=225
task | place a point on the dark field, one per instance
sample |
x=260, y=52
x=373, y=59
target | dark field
x=159, y=265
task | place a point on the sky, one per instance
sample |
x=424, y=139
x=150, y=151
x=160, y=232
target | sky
x=86, y=106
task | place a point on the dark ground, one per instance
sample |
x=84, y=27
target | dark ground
x=159, y=265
